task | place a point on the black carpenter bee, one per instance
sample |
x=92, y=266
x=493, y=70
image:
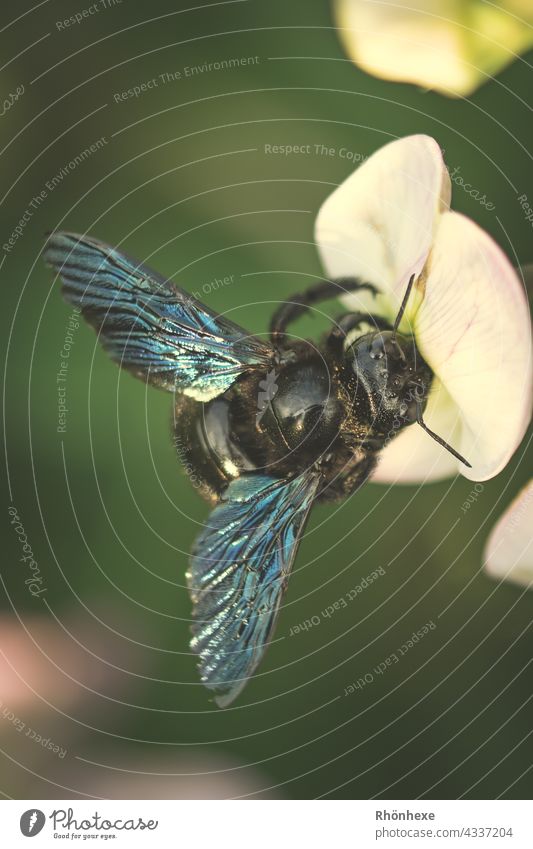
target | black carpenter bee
x=268, y=428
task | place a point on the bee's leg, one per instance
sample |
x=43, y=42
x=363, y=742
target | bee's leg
x=349, y=322
x=346, y=484
x=354, y=480
x=298, y=304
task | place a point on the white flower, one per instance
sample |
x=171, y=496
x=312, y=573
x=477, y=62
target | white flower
x=509, y=550
x=469, y=314
x=452, y=46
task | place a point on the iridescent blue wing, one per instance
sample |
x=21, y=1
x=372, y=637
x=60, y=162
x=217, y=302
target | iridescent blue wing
x=239, y=571
x=149, y=325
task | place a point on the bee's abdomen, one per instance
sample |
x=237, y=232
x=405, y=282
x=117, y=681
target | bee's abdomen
x=207, y=447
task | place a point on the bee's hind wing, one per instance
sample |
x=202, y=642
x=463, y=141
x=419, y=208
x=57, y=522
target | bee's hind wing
x=147, y=324
x=239, y=571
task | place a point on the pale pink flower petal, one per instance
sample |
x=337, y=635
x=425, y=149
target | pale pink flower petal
x=509, y=550
x=452, y=46
x=379, y=223
x=473, y=329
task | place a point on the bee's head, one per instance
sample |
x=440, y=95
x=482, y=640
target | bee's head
x=390, y=371
x=390, y=380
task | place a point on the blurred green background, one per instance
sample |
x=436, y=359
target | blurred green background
x=183, y=182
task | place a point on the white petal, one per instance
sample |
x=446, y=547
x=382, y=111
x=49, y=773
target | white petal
x=412, y=456
x=473, y=328
x=509, y=550
x=379, y=223
x=452, y=46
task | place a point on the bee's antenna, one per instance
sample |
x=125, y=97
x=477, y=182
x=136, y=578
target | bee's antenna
x=404, y=304
x=437, y=438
